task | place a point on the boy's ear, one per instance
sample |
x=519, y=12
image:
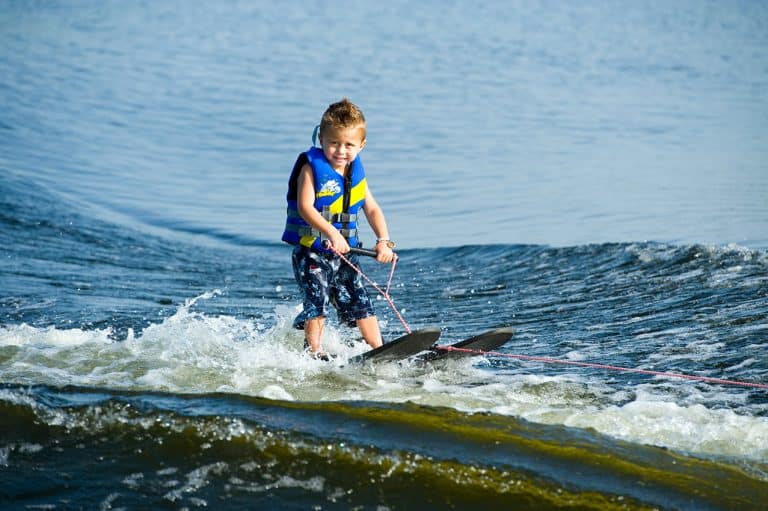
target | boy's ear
x=362, y=144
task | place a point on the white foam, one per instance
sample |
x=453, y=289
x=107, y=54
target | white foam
x=196, y=479
x=194, y=352
x=186, y=352
x=25, y=335
x=694, y=428
x=656, y=416
x=276, y=392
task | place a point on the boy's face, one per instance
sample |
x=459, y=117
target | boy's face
x=342, y=145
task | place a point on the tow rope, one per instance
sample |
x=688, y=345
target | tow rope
x=532, y=358
x=547, y=360
x=382, y=292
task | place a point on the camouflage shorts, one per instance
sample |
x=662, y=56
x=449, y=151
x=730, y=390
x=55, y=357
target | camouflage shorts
x=324, y=280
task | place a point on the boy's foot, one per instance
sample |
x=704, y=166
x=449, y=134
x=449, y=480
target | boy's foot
x=351, y=343
x=318, y=355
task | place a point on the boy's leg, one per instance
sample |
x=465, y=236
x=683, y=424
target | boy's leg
x=369, y=329
x=313, y=332
x=349, y=296
x=311, y=272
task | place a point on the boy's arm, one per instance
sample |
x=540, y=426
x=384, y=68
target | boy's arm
x=306, y=206
x=378, y=223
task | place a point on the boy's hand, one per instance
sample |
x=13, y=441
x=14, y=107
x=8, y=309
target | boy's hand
x=339, y=243
x=384, y=254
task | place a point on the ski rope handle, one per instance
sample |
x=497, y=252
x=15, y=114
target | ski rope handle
x=383, y=293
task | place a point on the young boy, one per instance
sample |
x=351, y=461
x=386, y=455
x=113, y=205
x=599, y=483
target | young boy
x=326, y=191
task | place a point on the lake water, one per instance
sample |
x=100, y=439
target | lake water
x=593, y=174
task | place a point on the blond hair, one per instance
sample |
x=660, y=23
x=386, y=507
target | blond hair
x=342, y=114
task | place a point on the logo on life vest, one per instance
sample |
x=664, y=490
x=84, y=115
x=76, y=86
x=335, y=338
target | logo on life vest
x=329, y=189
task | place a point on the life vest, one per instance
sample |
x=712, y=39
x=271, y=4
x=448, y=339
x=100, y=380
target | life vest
x=337, y=198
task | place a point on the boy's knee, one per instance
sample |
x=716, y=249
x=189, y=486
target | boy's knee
x=303, y=323
x=316, y=321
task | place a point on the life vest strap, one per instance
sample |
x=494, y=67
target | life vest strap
x=305, y=230
x=344, y=217
x=339, y=218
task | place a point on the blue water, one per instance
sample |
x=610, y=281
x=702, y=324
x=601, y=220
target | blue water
x=593, y=174
x=571, y=124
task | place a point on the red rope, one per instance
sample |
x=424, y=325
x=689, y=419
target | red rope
x=391, y=274
x=605, y=366
x=383, y=293
x=547, y=360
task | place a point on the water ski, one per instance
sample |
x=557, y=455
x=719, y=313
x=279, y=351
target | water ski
x=400, y=348
x=487, y=341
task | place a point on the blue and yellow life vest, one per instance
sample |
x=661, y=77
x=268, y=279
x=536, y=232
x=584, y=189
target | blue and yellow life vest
x=339, y=208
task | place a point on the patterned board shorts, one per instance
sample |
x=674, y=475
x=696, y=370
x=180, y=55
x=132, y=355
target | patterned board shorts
x=324, y=280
